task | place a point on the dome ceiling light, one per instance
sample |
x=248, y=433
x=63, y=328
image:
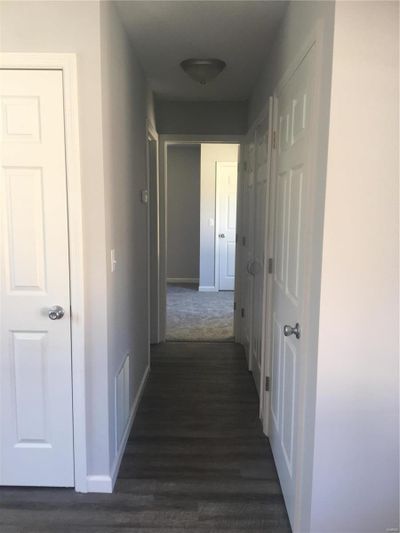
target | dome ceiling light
x=203, y=70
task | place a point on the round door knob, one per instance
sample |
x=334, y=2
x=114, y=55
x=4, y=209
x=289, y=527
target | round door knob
x=221, y=235
x=290, y=330
x=56, y=312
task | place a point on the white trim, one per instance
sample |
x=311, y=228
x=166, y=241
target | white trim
x=165, y=141
x=154, y=314
x=118, y=458
x=207, y=288
x=68, y=65
x=101, y=484
x=182, y=280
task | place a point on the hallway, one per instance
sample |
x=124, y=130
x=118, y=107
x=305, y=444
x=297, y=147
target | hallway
x=196, y=460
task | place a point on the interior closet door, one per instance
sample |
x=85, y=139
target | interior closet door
x=36, y=443
x=257, y=268
x=248, y=244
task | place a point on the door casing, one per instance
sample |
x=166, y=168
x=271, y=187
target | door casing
x=68, y=65
x=164, y=142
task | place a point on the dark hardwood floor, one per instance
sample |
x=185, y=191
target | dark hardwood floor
x=196, y=459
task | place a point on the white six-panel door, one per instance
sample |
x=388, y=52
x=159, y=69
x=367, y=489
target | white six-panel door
x=258, y=264
x=248, y=247
x=226, y=224
x=36, y=438
x=293, y=104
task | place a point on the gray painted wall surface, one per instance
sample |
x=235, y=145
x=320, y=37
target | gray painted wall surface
x=124, y=96
x=183, y=212
x=205, y=118
x=210, y=155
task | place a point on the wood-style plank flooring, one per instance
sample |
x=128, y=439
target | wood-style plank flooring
x=196, y=459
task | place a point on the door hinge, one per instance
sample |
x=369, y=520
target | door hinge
x=236, y=238
x=243, y=241
x=245, y=165
x=234, y=306
x=270, y=265
x=274, y=139
x=242, y=312
x=267, y=383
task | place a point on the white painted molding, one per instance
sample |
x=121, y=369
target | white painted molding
x=182, y=280
x=99, y=484
x=118, y=458
x=205, y=288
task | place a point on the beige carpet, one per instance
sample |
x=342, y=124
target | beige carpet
x=199, y=316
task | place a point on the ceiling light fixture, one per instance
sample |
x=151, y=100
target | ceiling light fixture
x=203, y=70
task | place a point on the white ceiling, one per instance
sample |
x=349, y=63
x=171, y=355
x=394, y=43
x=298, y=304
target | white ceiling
x=166, y=32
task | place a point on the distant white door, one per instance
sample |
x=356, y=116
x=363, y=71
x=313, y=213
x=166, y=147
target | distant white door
x=226, y=224
x=294, y=102
x=36, y=439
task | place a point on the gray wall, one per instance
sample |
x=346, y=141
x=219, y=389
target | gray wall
x=205, y=118
x=124, y=97
x=183, y=212
x=210, y=155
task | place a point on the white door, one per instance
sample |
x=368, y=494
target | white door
x=293, y=177
x=36, y=440
x=226, y=225
x=258, y=262
x=248, y=244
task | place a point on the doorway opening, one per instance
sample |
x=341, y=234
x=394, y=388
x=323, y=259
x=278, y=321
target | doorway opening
x=201, y=197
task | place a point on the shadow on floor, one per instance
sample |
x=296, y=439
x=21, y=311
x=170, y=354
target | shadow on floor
x=196, y=459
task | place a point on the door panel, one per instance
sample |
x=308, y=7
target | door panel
x=260, y=215
x=36, y=388
x=249, y=248
x=292, y=177
x=227, y=199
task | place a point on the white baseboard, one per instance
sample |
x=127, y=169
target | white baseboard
x=124, y=440
x=99, y=484
x=182, y=280
x=206, y=288
x=106, y=483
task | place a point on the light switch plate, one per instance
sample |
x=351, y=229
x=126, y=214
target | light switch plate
x=144, y=196
x=113, y=260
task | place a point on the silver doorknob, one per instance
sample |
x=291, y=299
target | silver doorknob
x=56, y=312
x=221, y=235
x=289, y=330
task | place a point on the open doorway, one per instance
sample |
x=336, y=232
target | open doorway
x=201, y=197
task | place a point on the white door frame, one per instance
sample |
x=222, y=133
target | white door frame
x=216, y=227
x=164, y=142
x=154, y=314
x=67, y=64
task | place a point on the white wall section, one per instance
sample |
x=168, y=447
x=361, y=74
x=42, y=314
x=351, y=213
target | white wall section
x=209, y=118
x=356, y=458
x=183, y=212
